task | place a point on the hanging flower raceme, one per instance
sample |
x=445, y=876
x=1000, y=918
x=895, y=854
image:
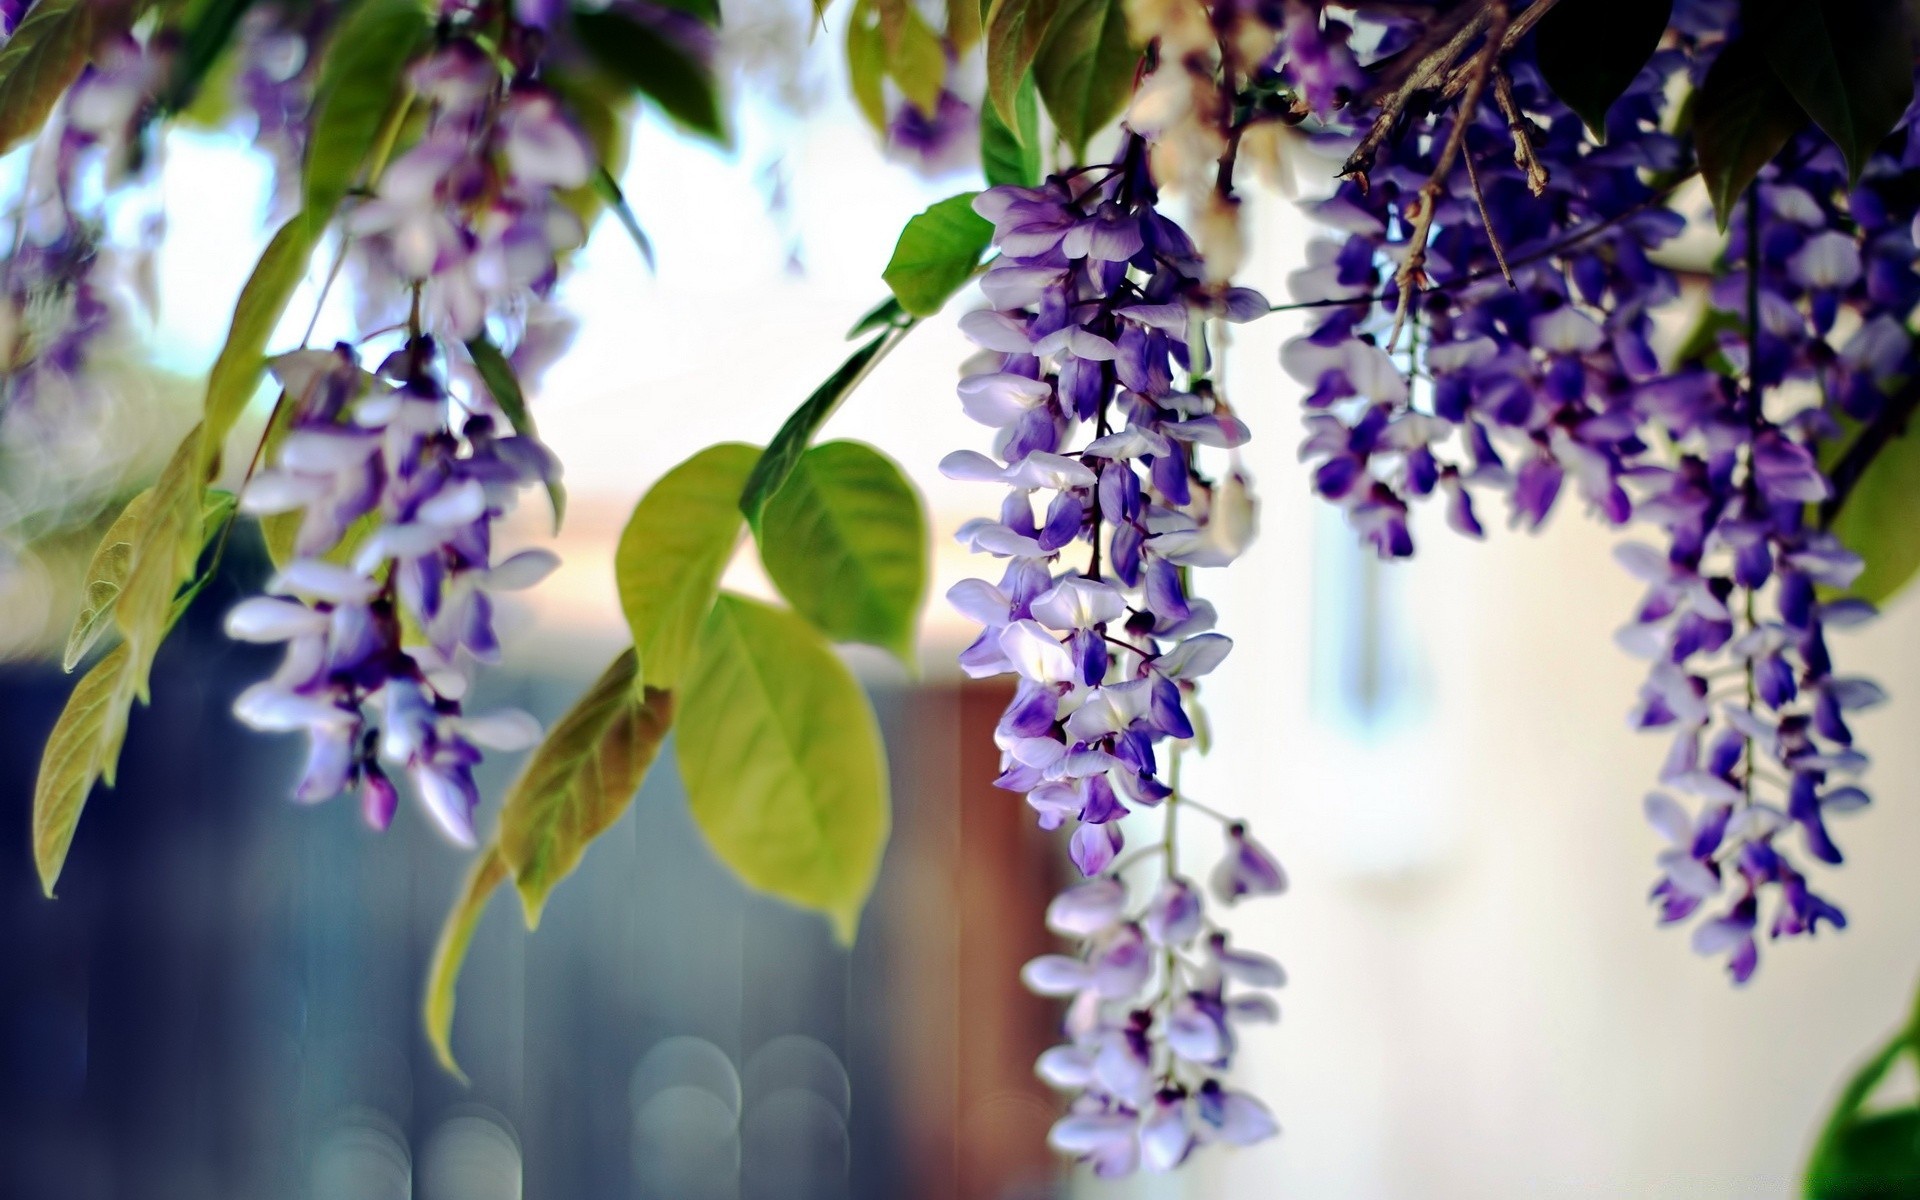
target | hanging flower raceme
x=1530, y=370
x=386, y=599
x=471, y=213
x=1097, y=308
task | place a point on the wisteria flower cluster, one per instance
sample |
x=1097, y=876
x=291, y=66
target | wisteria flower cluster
x=1530, y=368
x=378, y=646
x=1097, y=309
x=470, y=214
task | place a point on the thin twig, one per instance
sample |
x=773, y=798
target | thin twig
x=1522, y=25
x=1526, y=260
x=1486, y=222
x=1524, y=155
x=1412, y=271
x=1424, y=74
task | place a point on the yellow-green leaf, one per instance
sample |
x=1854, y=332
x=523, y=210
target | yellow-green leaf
x=164, y=549
x=443, y=976
x=581, y=779
x=845, y=540
x=42, y=58
x=915, y=58
x=87, y=735
x=672, y=552
x=1085, y=68
x=1015, y=30
x=106, y=575
x=362, y=81
x=782, y=760
x=936, y=254
x=263, y=301
x=867, y=64
x=503, y=384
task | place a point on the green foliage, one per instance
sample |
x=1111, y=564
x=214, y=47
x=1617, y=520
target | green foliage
x=489, y=871
x=263, y=301
x=581, y=779
x=1742, y=116
x=782, y=760
x=106, y=575
x=207, y=28
x=1880, y=520
x=885, y=314
x=1848, y=63
x=889, y=39
x=1084, y=69
x=608, y=189
x=845, y=540
x=362, y=82
x=655, y=66
x=937, y=253
x=43, y=57
x=84, y=741
x=504, y=386
x=1015, y=30
x=794, y=436
x=1864, y=1154
x=867, y=64
x=1590, y=51
x=165, y=545
x=672, y=552
x=136, y=575
x=1010, y=151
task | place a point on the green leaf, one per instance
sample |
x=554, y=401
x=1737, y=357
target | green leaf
x=782, y=761
x=1742, y=116
x=263, y=301
x=1015, y=30
x=1591, y=50
x=656, y=66
x=936, y=254
x=672, y=553
x=164, y=548
x=581, y=779
x=40, y=61
x=845, y=540
x=84, y=739
x=207, y=31
x=886, y=313
x=504, y=386
x=106, y=575
x=915, y=57
x=362, y=81
x=1843, y=1157
x=794, y=436
x=963, y=25
x=1010, y=153
x=1873, y=1157
x=608, y=188
x=443, y=976
x=867, y=64
x=1849, y=64
x=1880, y=520
x=1085, y=69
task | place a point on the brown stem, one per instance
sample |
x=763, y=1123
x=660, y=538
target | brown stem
x=1522, y=25
x=1524, y=155
x=1426, y=72
x=1486, y=222
x=1412, y=273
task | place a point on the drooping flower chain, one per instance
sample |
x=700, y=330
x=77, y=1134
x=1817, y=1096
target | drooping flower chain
x=396, y=485
x=1525, y=386
x=1096, y=306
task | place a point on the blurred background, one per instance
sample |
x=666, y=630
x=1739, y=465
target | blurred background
x=224, y=1000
